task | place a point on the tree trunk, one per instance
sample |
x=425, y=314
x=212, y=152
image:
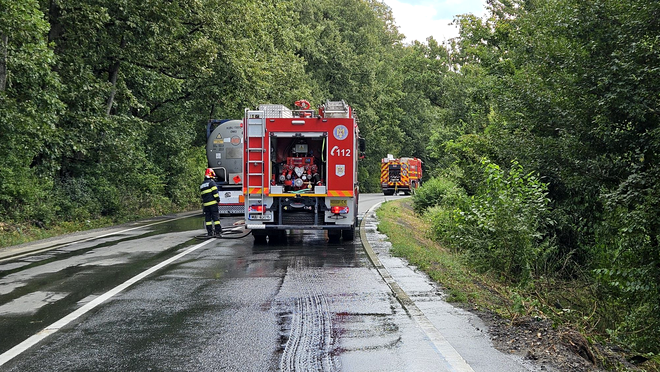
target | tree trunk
x=4, y=40
x=113, y=80
x=55, y=31
x=114, y=72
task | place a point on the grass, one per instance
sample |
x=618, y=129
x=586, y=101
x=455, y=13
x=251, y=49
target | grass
x=409, y=239
x=15, y=234
x=409, y=235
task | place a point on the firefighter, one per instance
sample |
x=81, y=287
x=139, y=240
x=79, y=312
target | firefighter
x=210, y=200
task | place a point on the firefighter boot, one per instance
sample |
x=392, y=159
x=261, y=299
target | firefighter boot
x=209, y=232
x=218, y=231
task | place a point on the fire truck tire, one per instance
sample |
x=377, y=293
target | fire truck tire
x=348, y=234
x=388, y=192
x=334, y=235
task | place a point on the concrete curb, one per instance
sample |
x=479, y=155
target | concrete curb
x=454, y=360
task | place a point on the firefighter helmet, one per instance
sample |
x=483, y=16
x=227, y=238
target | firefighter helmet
x=209, y=173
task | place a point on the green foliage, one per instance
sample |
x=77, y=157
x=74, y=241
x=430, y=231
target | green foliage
x=102, y=107
x=564, y=87
x=124, y=131
x=437, y=191
x=503, y=228
x=626, y=259
x=28, y=110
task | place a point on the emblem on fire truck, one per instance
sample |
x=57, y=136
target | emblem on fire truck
x=340, y=132
x=340, y=170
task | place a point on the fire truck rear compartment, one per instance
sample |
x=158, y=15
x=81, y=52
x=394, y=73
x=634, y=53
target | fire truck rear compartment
x=395, y=173
x=298, y=160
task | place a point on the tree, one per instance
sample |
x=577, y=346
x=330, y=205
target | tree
x=29, y=108
x=574, y=98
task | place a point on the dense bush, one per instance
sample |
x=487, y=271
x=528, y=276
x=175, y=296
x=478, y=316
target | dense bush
x=503, y=227
x=627, y=267
x=437, y=191
x=567, y=88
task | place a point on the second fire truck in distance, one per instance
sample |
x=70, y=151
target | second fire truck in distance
x=400, y=174
x=301, y=170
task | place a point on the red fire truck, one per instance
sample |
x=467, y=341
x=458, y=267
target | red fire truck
x=400, y=174
x=301, y=170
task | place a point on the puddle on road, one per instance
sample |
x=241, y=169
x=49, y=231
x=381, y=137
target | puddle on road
x=30, y=303
x=76, y=249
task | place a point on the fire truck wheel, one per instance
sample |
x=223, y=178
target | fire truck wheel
x=348, y=234
x=334, y=235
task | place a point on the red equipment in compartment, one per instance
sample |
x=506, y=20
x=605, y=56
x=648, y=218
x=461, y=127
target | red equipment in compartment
x=298, y=173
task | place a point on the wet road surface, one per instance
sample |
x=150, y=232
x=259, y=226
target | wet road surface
x=227, y=304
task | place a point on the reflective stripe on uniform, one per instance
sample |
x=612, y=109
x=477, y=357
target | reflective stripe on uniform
x=209, y=190
x=210, y=203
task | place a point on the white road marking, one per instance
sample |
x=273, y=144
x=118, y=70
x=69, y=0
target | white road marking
x=33, y=340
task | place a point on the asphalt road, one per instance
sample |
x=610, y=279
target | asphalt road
x=150, y=296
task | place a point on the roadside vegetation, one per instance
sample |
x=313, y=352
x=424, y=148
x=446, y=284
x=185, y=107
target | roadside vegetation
x=569, y=306
x=539, y=127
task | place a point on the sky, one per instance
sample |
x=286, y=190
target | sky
x=419, y=19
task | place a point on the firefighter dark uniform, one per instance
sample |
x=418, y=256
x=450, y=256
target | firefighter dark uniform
x=210, y=200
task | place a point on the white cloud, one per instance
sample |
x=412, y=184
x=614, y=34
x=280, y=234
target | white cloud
x=419, y=19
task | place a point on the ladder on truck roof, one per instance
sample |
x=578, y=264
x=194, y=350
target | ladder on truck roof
x=336, y=109
x=255, y=167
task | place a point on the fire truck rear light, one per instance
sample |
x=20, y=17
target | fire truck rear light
x=257, y=208
x=339, y=210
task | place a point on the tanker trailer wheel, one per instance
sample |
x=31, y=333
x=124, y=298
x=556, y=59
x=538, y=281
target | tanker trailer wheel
x=259, y=237
x=277, y=236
